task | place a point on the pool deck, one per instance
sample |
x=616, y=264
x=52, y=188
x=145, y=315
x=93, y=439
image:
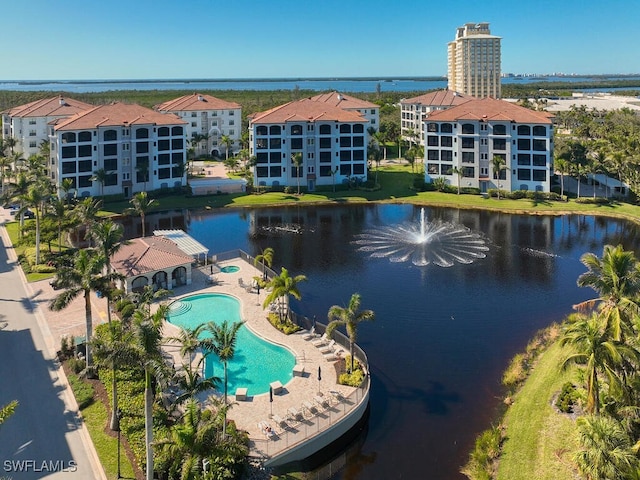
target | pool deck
x=299, y=393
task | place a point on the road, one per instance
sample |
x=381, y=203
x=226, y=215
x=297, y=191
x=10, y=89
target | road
x=46, y=436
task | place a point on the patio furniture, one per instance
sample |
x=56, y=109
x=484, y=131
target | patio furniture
x=322, y=341
x=298, y=370
x=328, y=348
x=241, y=394
x=276, y=387
x=321, y=402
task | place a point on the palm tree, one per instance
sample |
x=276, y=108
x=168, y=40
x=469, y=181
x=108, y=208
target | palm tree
x=459, y=172
x=142, y=204
x=84, y=277
x=606, y=449
x=66, y=186
x=594, y=349
x=282, y=287
x=36, y=197
x=19, y=190
x=101, y=176
x=266, y=259
x=499, y=165
x=5, y=164
x=227, y=141
x=616, y=278
x=296, y=159
x=86, y=214
x=147, y=338
x=58, y=212
x=223, y=344
x=562, y=166
x=350, y=317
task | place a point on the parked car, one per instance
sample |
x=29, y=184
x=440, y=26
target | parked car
x=26, y=213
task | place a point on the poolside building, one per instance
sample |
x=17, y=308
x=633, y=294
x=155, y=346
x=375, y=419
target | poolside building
x=29, y=124
x=135, y=148
x=470, y=135
x=209, y=119
x=332, y=143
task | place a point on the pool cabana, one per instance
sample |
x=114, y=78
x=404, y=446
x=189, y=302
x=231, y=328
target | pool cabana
x=186, y=243
x=155, y=261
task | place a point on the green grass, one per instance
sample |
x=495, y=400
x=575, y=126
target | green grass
x=539, y=441
x=95, y=418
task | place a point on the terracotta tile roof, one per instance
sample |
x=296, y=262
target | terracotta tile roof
x=341, y=100
x=441, y=98
x=490, y=109
x=194, y=102
x=49, y=107
x=148, y=254
x=306, y=110
x=118, y=114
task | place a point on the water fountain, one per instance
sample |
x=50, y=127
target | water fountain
x=439, y=243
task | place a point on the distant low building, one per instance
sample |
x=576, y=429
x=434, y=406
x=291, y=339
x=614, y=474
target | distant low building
x=138, y=148
x=415, y=109
x=331, y=140
x=209, y=117
x=29, y=124
x=469, y=136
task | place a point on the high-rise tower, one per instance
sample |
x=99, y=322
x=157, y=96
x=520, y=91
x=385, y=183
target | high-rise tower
x=474, y=61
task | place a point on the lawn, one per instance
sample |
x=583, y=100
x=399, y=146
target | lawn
x=539, y=440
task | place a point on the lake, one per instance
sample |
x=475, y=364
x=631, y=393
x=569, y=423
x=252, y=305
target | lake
x=442, y=336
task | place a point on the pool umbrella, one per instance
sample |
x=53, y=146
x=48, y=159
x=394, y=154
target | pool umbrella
x=271, y=401
x=319, y=378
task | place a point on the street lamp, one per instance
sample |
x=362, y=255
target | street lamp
x=117, y=429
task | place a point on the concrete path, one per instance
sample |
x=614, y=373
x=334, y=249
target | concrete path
x=46, y=436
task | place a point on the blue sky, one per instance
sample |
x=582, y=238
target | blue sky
x=148, y=39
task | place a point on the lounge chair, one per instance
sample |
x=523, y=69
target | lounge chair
x=328, y=348
x=321, y=402
x=295, y=415
x=309, y=408
x=309, y=334
x=322, y=341
x=266, y=429
x=280, y=422
x=337, y=396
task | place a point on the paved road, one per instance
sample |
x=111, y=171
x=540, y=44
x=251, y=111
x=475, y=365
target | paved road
x=45, y=437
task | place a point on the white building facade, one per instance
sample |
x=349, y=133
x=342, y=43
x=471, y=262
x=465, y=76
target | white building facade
x=29, y=124
x=468, y=137
x=332, y=142
x=209, y=117
x=414, y=110
x=474, y=61
x=140, y=150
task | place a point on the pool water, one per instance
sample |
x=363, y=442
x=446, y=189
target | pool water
x=230, y=269
x=256, y=362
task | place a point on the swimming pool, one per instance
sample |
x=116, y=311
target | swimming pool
x=230, y=269
x=256, y=362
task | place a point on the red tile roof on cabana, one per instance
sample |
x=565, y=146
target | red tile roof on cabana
x=441, y=98
x=148, y=254
x=341, y=100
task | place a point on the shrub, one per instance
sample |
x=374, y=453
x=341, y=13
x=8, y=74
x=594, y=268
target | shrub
x=76, y=365
x=285, y=325
x=486, y=450
x=43, y=268
x=83, y=391
x=593, y=201
x=66, y=347
x=353, y=379
x=567, y=398
x=288, y=190
x=516, y=372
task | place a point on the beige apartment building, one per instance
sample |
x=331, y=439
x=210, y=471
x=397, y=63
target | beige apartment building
x=474, y=61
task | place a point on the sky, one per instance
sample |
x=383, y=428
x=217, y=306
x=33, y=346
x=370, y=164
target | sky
x=218, y=39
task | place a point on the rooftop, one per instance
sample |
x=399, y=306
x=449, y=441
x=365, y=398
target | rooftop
x=49, y=107
x=306, y=110
x=148, y=254
x=439, y=99
x=341, y=100
x=490, y=109
x=196, y=102
x=117, y=114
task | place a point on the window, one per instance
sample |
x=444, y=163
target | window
x=296, y=143
x=296, y=129
x=110, y=149
x=499, y=144
x=539, y=145
x=275, y=171
x=524, y=144
x=499, y=130
x=84, y=136
x=325, y=142
x=325, y=157
x=163, y=145
x=142, y=133
x=194, y=124
x=358, y=155
x=325, y=129
x=468, y=157
x=345, y=141
x=358, y=141
x=446, y=128
x=524, y=159
x=345, y=156
x=446, y=155
x=111, y=179
x=261, y=130
x=539, y=160
x=539, y=131
x=468, y=172
x=177, y=157
x=110, y=135
x=84, y=181
x=345, y=128
x=177, y=144
x=433, y=155
x=275, y=130
x=325, y=170
x=432, y=141
x=432, y=127
x=164, y=159
x=262, y=158
x=345, y=169
x=194, y=114
x=468, y=128
x=446, y=169
x=467, y=142
x=142, y=147
x=32, y=144
x=432, y=168
x=68, y=167
x=68, y=137
x=446, y=141
x=524, y=174
x=358, y=128
x=164, y=173
x=164, y=131
x=262, y=172
x=358, y=168
x=275, y=157
x=524, y=130
x=539, y=175
x=177, y=131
